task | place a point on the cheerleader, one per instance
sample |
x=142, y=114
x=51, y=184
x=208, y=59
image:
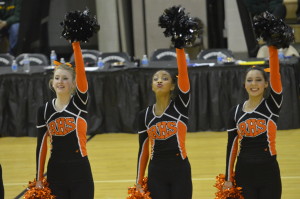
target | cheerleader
x=252, y=125
x=63, y=120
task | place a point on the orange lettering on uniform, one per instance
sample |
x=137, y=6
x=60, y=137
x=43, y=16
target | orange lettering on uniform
x=242, y=128
x=261, y=126
x=162, y=128
x=70, y=124
x=251, y=127
x=152, y=132
x=60, y=122
x=52, y=128
x=172, y=127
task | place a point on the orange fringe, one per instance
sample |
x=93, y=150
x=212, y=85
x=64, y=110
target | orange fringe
x=135, y=194
x=232, y=193
x=37, y=193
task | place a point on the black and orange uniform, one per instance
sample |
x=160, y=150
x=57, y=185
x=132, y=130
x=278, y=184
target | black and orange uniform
x=68, y=172
x=253, y=134
x=169, y=171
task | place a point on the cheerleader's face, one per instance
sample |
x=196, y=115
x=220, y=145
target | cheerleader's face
x=162, y=82
x=255, y=83
x=63, y=82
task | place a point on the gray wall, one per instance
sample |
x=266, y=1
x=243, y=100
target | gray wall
x=154, y=34
x=234, y=31
x=58, y=9
x=116, y=33
x=147, y=35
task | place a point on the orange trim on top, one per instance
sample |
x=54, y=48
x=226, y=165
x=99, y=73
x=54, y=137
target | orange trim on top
x=81, y=80
x=275, y=79
x=181, y=138
x=233, y=155
x=143, y=161
x=81, y=133
x=183, y=77
x=42, y=157
x=272, y=128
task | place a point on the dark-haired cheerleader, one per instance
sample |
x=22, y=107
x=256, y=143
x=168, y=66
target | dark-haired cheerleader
x=163, y=126
x=252, y=125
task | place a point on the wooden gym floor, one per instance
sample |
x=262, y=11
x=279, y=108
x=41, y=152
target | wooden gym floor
x=113, y=159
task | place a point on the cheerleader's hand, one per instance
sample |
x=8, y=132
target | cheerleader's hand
x=39, y=184
x=227, y=185
x=139, y=188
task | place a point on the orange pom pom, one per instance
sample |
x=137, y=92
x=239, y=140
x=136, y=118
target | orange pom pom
x=37, y=193
x=135, y=194
x=234, y=192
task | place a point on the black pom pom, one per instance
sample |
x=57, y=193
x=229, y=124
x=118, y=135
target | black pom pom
x=79, y=26
x=273, y=30
x=182, y=28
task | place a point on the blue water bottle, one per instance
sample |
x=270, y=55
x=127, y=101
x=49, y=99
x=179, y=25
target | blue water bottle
x=187, y=57
x=14, y=66
x=219, y=58
x=53, y=57
x=281, y=55
x=100, y=63
x=145, y=61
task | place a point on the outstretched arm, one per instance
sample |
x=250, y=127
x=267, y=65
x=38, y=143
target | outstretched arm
x=81, y=80
x=275, y=79
x=183, y=77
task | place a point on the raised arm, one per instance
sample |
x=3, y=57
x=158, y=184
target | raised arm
x=81, y=80
x=275, y=79
x=183, y=77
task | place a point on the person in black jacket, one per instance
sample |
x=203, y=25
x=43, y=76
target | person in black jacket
x=9, y=23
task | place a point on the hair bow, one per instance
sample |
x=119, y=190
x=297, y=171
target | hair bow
x=267, y=70
x=57, y=63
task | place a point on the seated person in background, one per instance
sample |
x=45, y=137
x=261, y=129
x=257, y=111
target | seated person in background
x=9, y=24
x=276, y=7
